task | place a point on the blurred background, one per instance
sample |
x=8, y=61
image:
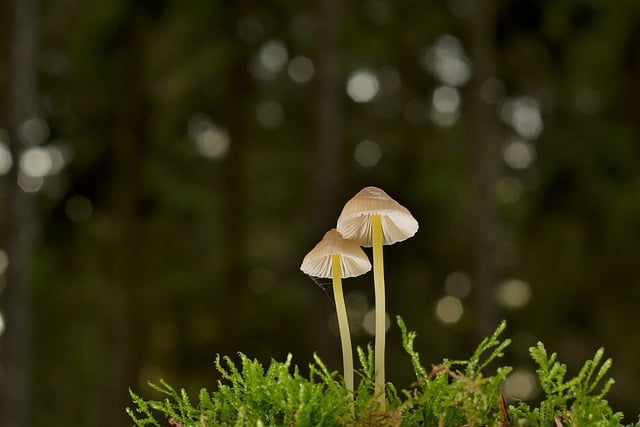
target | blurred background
x=166, y=165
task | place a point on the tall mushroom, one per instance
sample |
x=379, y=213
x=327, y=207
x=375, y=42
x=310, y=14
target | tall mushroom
x=372, y=218
x=336, y=258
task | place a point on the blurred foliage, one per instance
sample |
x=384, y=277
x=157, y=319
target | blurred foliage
x=182, y=256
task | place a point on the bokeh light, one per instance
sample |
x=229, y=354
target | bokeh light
x=211, y=141
x=446, y=104
x=369, y=322
x=518, y=154
x=457, y=284
x=59, y=155
x=5, y=159
x=271, y=59
x=447, y=61
x=446, y=99
x=449, y=310
x=35, y=162
x=367, y=154
x=78, y=208
x=29, y=184
x=362, y=85
x=521, y=384
x=523, y=115
x=301, y=69
x=34, y=131
x=273, y=56
x=4, y=261
x=443, y=119
x=513, y=293
x=357, y=304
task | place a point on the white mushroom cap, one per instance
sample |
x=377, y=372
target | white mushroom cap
x=355, y=220
x=353, y=260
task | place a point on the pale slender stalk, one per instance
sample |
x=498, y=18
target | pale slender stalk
x=381, y=315
x=343, y=323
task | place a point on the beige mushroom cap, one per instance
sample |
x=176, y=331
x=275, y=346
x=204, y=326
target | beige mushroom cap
x=355, y=220
x=353, y=260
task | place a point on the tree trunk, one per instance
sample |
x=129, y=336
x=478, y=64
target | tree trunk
x=21, y=223
x=485, y=137
x=126, y=311
x=235, y=170
x=327, y=167
x=235, y=188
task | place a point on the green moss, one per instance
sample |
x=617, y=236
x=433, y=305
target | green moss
x=453, y=393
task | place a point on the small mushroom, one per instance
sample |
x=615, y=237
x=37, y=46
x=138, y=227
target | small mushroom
x=336, y=258
x=372, y=218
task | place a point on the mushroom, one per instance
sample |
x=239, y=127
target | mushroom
x=372, y=218
x=336, y=258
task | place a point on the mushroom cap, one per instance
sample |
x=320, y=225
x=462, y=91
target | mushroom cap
x=355, y=220
x=353, y=260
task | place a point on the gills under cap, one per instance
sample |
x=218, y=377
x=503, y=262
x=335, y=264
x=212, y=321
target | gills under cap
x=355, y=220
x=353, y=260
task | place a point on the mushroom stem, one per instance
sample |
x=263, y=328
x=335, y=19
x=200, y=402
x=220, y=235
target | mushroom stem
x=343, y=323
x=381, y=327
